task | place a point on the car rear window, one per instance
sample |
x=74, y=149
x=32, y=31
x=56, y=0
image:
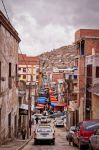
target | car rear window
x=43, y=118
x=44, y=130
x=91, y=126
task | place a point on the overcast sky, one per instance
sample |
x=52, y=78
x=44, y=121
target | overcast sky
x=47, y=24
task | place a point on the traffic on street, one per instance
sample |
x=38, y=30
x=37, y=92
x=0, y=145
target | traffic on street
x=49, y=75
x=60, y=142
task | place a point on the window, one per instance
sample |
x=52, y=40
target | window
x=19, y=76
x=89, y=70
x=19, y=68
x=10, y=79
x=24, y=76
x=16, y=71
x=97, y=72
x=82, y=47
x=9, y=69
x=37, y=77
x=24, y=69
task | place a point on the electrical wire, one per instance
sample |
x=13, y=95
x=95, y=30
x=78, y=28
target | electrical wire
x=5, y=9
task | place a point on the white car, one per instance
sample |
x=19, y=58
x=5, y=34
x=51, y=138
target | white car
x=43, y=119
x=44, y=132
x=59, y=122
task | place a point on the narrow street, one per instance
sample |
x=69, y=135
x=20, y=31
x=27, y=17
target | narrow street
x=60, y=142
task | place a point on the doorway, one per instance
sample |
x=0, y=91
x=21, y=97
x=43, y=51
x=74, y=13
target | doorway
x=9, y=125
x=15, y=125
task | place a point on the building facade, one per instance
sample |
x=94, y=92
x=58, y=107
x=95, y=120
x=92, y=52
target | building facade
x=92, y=85
x=85, y=40
x=9, y=43
x=28, y=67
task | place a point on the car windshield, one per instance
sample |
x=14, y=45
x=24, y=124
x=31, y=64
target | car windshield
x=44, y=130
x=90, y=126
x=43, y=118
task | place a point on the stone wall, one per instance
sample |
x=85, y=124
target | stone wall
x=8, y=96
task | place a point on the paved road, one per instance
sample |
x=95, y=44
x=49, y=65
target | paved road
x=60, y=143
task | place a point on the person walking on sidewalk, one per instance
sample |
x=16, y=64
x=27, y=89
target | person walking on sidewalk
x=23, y=132
x=36, y=119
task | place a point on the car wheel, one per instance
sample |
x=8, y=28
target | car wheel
x=90, y=146
x=53, y=142
x=80, y=146
x=73, y=143
x=35, y=142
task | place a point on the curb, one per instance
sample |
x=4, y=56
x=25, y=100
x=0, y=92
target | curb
x=22, y=146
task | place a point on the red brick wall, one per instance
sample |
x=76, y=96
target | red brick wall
x=57, y=76
x=86, y=32
x=89, y=44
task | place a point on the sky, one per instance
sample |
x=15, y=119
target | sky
x=44, y=25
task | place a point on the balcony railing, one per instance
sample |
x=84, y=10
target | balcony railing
x=92, y=59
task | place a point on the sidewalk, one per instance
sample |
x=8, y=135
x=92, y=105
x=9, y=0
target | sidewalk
x=13, y=145
x=16, y=144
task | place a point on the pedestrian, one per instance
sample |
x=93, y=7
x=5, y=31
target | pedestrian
x=36, y=119
x=70, y=137
x=23, y=132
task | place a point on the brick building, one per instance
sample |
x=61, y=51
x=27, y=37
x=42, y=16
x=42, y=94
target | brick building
x=28, y=66
x=9, y=43
x=86, y=41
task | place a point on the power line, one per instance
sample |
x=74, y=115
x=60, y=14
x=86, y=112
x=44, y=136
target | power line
x=5, y=9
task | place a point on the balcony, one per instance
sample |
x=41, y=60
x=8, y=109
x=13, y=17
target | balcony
x=92, y=60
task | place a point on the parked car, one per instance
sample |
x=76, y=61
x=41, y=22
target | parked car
x=70, y=133
x=59, y=122
x=44, y=133
x=83, y=132
x=94, y=141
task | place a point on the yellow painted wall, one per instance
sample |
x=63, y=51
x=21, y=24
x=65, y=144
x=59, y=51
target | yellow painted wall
x=95, y=107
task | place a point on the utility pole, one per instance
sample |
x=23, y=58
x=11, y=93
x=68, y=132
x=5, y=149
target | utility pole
x=35, y=95
x=29, y=110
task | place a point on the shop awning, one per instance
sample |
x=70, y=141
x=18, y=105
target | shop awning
x=53, y=98
x=61, y=105
x=23, y=109
x=41, y=105
x=54, y=104
x=42, y=100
